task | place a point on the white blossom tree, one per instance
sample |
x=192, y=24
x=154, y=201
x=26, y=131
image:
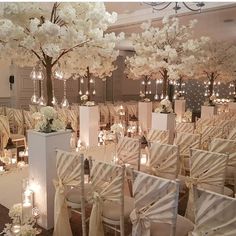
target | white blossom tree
x=49, y=33
x=169, y=52
x=218, y=63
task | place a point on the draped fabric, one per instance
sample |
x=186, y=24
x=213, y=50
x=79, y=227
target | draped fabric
x=201, y=123
x=132, y=110
x=113, y=116
x=4, y=130
x=69, y=167
x=33, y=108
x=206, y=168
x=29, y=121
x=163, y=160
x=214, y=214
x=2, y=111
x=19, y=120
x=185, y=141
x=161, y=136
x=73, y=119
x=232, y=134
x=156, y=200
x=107, y=182
x=128, y=151
x=63, y=115
x=209, y=133
x=11, y=119
x=185, y=127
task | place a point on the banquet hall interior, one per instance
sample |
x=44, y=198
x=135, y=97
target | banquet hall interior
x=117, y=118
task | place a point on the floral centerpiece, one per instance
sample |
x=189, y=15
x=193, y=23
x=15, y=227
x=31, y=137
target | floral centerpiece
x=26, y=227
x=210, y=101
x=118, y=130
x=164, y=107
x=187, y=117
x=47, y=120
x=85, y=101
x=143, y=97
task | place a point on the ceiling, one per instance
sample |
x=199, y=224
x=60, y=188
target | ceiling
x=217, y=20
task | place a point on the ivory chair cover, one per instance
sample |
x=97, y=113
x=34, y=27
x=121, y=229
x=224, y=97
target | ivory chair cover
x=107, y=183
x=214, y=214
x=29, y=121
x=4, y=131
x=156, y=206
x=104, y=114
x=11, y=119
x=232, y=134
x=70, y=171
x=113, y=116
x=128, y=151
x=33, y=108
x=163, y=160
x=208, y=133
x=73, y=119
x=132, y=110
x=201, y=123
x=19, y=120
x=185, y=141
x=185, y=127
x=63, y=115
x=161, y=136
x=2, y=111
x=227, y=147
x=207, y=170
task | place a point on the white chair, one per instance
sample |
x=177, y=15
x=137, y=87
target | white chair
x=227, y=147
x=161, y=136
x=163, y=160
x=70, y=173
x=109, y=207
x=232, y=134
x=185, y=141
x=5, y=133
x=207, y=170
x=156, y=206
x=28, y=120
x=214, y=214
x=128, y=152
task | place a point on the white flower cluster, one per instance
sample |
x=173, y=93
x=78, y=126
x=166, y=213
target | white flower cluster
x=47, y=120
x=168, y=49
x=29, y=34
x=218, y=62
x=117, y=128
x=165, y=106
x=84, y=98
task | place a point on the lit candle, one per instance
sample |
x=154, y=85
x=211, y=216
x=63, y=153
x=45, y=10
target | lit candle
x=13, y=160
x=1, y=169
x=15, y=229
x=27, y=195
x=143, y=159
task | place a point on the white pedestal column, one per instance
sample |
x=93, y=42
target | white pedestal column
x=89, y=125
x=180, y=105
x=163, y=121
x=232, y=106
x=42, y=169
x=145, y=115
x=208, y=111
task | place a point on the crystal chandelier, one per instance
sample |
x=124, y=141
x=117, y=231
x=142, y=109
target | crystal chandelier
x=159, y=6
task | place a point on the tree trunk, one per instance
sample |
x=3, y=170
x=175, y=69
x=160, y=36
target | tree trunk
x=165, y=83
x=234, y=88
x=211, y=85
x=145, y=85
x=88, y=83
x=49, y=82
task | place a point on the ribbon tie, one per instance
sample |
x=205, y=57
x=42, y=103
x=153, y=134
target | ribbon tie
x=59, y=185
x=139, y=217
x=191, y=181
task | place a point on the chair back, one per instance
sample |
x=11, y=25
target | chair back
x=163, y=160
x=185, y=127
x=4, y=131
x=128, y=152
x=107, y=182
x=161, y=136
x=232, y=134
x=214, y=214
x=155, y=201
x=70, y=173
x=206, y=169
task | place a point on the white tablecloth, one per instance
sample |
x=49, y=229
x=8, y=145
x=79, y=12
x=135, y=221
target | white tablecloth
x=11, y=186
